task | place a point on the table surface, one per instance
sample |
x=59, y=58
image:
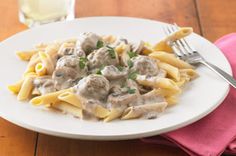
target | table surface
x=210, y=18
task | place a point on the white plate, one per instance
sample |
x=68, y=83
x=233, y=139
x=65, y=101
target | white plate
x=200, y=97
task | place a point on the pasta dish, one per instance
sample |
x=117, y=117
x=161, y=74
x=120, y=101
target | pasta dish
x=96, y=77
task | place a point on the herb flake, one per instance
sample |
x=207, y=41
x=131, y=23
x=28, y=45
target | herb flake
x=132, y=54
x=112, y=52
x=130, y=63
x=82, y=62
x=133, y=75
x=120, y=68
x=100, y=44
x=131, y=91
x=99, y=71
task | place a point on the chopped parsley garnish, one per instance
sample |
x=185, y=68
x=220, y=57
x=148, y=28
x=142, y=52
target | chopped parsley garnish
x=130, y=63
x=131, y=91
x=120, y=68
x=100, y=44
x=132, y=54
x=112, y=52
x=82, y=62
x=133, y=75
x=99, y=70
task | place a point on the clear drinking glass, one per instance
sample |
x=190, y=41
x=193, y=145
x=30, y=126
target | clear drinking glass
x=37, y=12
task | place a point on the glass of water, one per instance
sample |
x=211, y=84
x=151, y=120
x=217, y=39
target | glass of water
x=37, y=12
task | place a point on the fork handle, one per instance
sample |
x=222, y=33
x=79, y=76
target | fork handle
x=221, y=73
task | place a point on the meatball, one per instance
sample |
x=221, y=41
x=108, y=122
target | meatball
x=87, y=42
x=74, y=62
x=93, y=87
x=144, y=65
x=65, y=77
x=102, y=57
x=111, y=72
x=44, y=84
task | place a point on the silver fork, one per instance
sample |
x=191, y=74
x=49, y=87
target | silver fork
x=186, y=52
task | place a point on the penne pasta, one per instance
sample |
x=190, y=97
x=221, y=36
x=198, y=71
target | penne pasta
x=166, y=92
x=40, y=69
x=15, y=88
x=181, y=82
x=109, y=38
x=138, y=111
x=26, y=55
x=68, y=108
x=70, y=98
x=121, y=48
x=47, y=62
x=171, y=70
x=181, y=33
x=192, y=74
x=101, y=112
x=26, y=88
x=50, y=98
x=32, y=63
x=157, y=82
x=170, y=59
x=147, y=48
x=52, y=49
x=124, y=57
x=36, y=92
x=30, y=74
x=163, y=44
x=171, y=100
x=95, y=108
x=114, y=114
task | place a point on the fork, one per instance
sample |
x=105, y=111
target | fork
x=184, y=51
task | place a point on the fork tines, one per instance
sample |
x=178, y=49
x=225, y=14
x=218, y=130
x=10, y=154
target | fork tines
x=180, y=47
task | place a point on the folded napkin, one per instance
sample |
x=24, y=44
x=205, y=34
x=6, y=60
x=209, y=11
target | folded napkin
x=216, y=132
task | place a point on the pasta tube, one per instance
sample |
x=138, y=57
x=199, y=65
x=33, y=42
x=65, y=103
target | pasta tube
x=26, y=88
x=181, y=33
x=97, y=110
x=15, y=88
x=32, y=63
x=40, y=69
x=50, y=98
x=157, y=82
x=47, y=62
x=101, y=112
x=114, y=114
x=170, y=59
x=147, y=48
x=138, y=111
x=68, y=108
x=171, y=100
x=171, y=70
x=26, y=55
x=70, y=98
x=192, y=74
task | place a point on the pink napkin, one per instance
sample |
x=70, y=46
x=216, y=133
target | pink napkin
x=215, y=133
